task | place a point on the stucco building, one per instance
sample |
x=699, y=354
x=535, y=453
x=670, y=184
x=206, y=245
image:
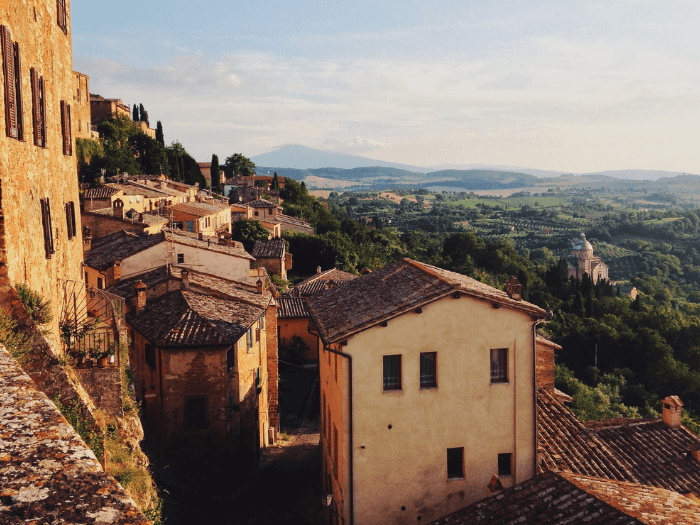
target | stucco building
x=427, y=390
x=200, y=217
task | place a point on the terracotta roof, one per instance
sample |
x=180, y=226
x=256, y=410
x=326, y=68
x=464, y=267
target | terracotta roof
x=291, y=307
x=188, y=318
x=104, y=258
x=101, y=192
x=547, y=342
x=47, y=474
x=329, y=275
x=210, y=243
x=656, y=454
x=274, y=248
x=243, y=292
x=198, y=209
x=288, y=223
x=131, y=188
x=126, y=288
x=557, y=498
x=261, y=203
x=392, y=291
x=568, y=445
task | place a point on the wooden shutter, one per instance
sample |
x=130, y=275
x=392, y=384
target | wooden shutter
x=62, y=15
x=42, y=112
x=70, y=220
x=18, y=92
x=66, y=128
x=46, y=223
x=36, y=107
x=8, y=64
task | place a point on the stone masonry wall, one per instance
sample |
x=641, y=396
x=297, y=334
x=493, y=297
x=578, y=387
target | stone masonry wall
x=81, y=101
x=104, y=387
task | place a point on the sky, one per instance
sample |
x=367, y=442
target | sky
x=558, y=85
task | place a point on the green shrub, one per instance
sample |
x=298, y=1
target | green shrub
x=38, y=308
x=17, y=342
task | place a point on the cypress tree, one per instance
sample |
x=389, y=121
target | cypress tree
x=159, y=133
x=275, y=182
x=143, y=114
x=135, y=113
x=215, y=174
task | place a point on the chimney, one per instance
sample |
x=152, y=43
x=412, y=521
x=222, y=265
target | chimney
x=117, y=271
x=494, y=487
x=672, y=408
x=87, y=239
x=118, y=209
x=140, y=297
x=185, y=279
x=318, y=269
x=259, y=286
x=514, y=289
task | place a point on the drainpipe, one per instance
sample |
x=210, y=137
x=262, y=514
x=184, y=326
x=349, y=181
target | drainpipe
x=350, y=441
x=534, y=380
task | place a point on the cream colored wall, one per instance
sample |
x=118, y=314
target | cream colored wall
x=406, y=465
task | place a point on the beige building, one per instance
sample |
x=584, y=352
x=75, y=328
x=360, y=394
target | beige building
x=427, y=391
x=199, y=217
x=101, y=108
x=587, y=262
x=82, y=121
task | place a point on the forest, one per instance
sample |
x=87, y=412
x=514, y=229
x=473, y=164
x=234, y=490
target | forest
x=620, y=355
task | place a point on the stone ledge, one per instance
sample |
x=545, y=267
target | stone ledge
x=47, y=474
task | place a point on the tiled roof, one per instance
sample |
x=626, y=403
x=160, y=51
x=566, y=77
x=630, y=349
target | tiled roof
x=558, y=498
x=198, y=209
x=568, y=445
x=101, y=192
x=656, y=454
x=242, y=292
x=188, y=318
x=329, y=275
x=211, y=244
x=392, y=291
x=274, y=248
x=291, y=307
x=104, y=258
x=126, y=288
x=261, y=203
x=47, y=473
x=131, y=188
x=288, y=223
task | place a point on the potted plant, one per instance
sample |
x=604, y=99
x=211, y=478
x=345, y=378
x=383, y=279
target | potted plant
x=80, y=356
x=102, y=355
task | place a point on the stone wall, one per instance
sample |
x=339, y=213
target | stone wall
x=81, y=100
x=544, y=363
x=103, y=385
x=29, y=173
x=101, y=225
x=48, y=473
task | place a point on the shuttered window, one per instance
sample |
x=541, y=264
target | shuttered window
x=62, y=15
x=12, y=75
x=38, y=108
x=48, y=232
x=66, y=128
x=70, y=220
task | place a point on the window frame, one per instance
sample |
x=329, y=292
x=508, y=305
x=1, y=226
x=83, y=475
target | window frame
x=505, y=460
x=453, y=461
x=230, y=358
x=38, y=108
x=499, y=358
x=180, y=258
x=426, y=358
x=391, y=380
x=12, y=80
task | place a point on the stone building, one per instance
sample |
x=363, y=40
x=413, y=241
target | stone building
x=587, y=262
x=200, y=217
x=101, y=108
x=40, y=243
x=427, y=390
x=82, y=121
x=204, y=353
x=272, y=255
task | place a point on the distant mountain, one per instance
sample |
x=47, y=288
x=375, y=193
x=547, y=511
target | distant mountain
x=638, y=174
x=301, y=157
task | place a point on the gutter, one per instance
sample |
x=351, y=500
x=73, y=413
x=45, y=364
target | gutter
x=350, y=422
x=534, y=381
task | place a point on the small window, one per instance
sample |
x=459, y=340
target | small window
x=150, y=356
x=249, y=339
x=62, y=15
x=262, y=323
x=100, y=283
x=499, y=365
x=504, y=464
x=230, y=358
x=455, y=463
x=38, y=108
x=190, y=226
x=180, y=258
x=428, y=369
x=392, y=372
x=196, y=412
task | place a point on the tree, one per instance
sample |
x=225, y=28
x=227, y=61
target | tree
x=135, y=113
x=275, y=182
x=248, y=232
x=159, y=133
x=215, y=175
x=143, y=114
x=238, y=164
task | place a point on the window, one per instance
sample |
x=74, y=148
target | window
x=428, y=369
x=12, y=73
x=336, y=459
x=392, y=372
x=62, y=15
x=499, y=365
x=70, y=220
x=190, y=226
x=180, y=258
x=504, y=464
x=150, y=356
x=262, y=322
x=46, y=223
x=455, y=463
x=66, y=131
x=230, y=358
x=196, y=412
x=100, y=283
x=249, y=339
